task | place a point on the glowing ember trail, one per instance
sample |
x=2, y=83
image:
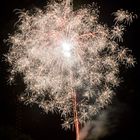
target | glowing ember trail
x=69, y=60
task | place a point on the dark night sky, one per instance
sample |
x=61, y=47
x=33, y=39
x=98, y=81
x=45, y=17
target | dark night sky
x=20, y=122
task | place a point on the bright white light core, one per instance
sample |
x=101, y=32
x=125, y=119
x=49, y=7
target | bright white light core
x=66, y=49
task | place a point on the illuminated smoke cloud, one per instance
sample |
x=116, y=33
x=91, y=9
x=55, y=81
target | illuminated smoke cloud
x=96, y=129
x=109, y=123
x=64, y=53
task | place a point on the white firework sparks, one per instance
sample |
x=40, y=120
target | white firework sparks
x=124, y=16
x=64, y=55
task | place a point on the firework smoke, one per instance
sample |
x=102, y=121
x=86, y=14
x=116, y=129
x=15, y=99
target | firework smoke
x=96, y=129
x=65, y=54
x=107, y=123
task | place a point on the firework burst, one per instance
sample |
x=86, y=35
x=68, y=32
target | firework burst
x=69, y=60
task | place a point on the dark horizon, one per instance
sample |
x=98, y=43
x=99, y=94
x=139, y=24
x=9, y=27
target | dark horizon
x=26, y=122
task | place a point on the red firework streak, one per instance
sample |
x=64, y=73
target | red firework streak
x=76, y=120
